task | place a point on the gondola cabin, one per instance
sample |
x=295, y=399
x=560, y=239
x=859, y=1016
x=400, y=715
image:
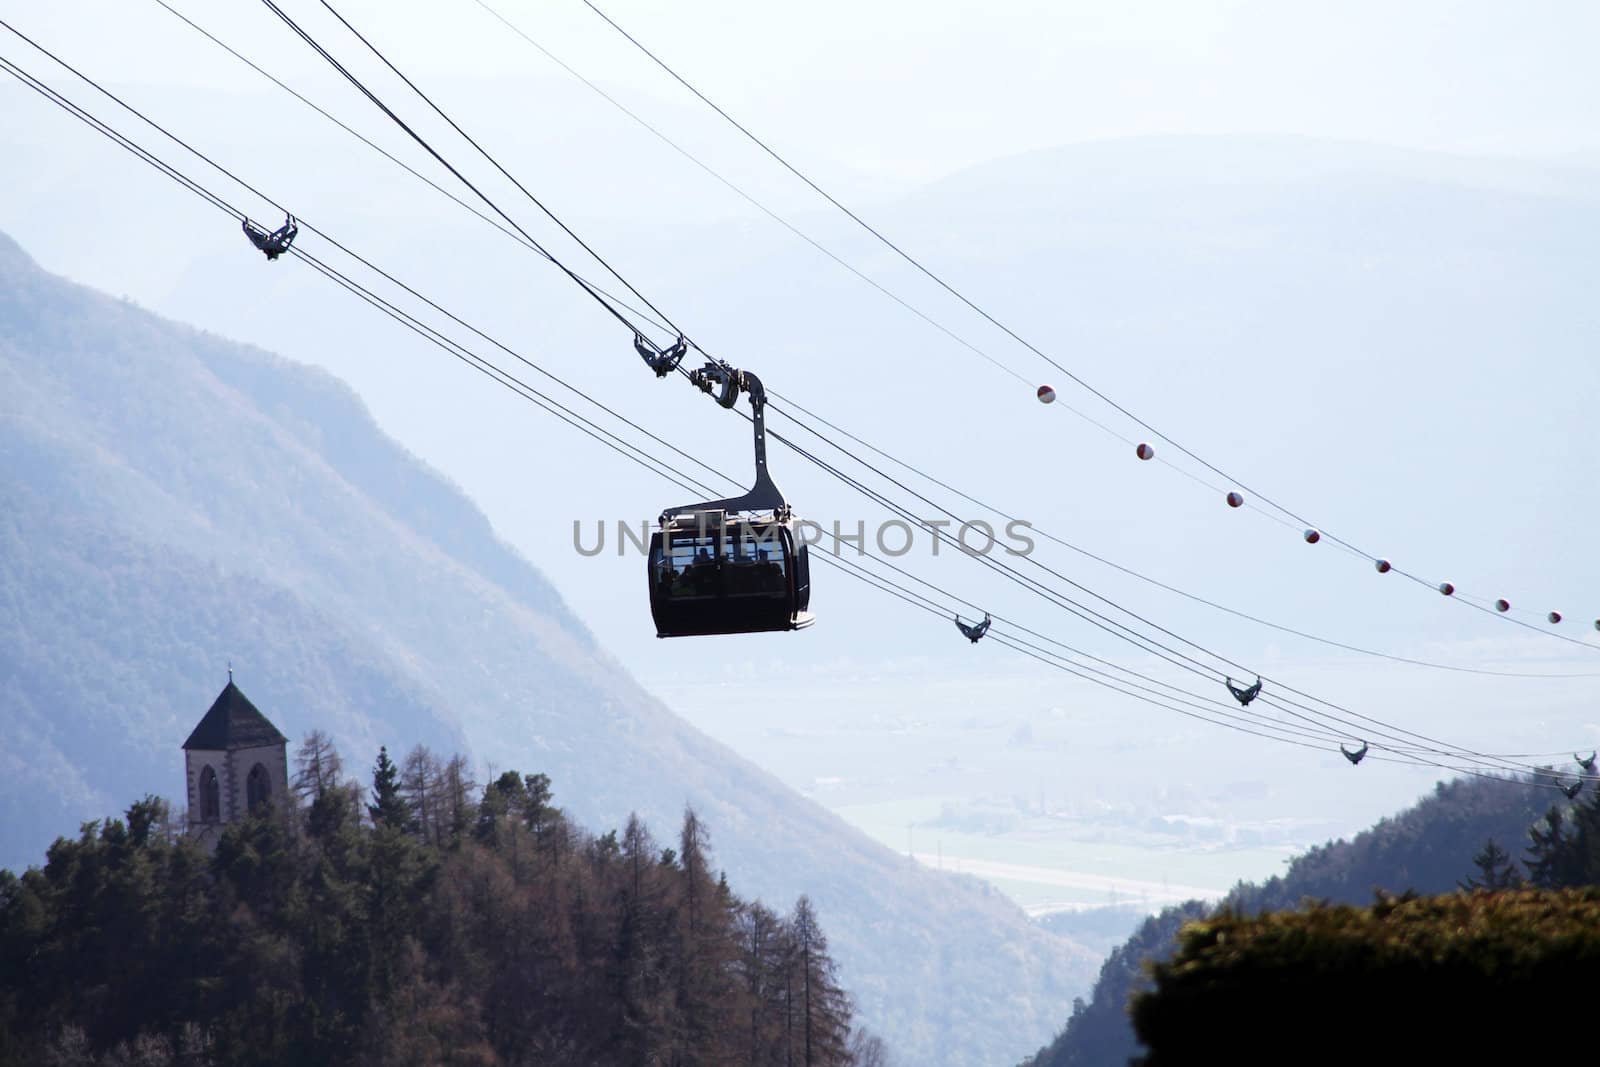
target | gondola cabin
x=735, y=565
x=713, y=572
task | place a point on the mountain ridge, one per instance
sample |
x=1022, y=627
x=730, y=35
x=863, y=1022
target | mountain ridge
x=176, y=499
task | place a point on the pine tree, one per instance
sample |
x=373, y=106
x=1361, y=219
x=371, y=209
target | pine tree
x=639, y=980
x=537, y=810
x=502, y=798
x=1544, y=860
x=543, y=819
x=334, y=811
x=1496, y=869
x=388, y=808
x=823, y=1008
x=398, y=873
x=1578, y=856
x=760, y=966
x=456, y=789
x=707, y=1009
x=421, y=788
x=318, y=767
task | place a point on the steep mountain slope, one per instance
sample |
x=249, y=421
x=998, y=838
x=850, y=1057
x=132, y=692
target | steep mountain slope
x=1427, y=848
x=169, y=500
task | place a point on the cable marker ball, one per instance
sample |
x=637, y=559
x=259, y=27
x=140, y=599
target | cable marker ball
x=1597, y=624
x=1312, y=537
x=1502, y=605
x=1382, y=565
x=1447, y=589
x=1047, y=395
x=1235, y=500
x=1144, y=451
x=1554, y=616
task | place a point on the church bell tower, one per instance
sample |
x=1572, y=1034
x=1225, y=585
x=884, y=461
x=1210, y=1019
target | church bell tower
x=236, y=762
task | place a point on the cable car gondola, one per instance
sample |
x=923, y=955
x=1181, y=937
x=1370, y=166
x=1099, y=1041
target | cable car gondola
x=731, y=566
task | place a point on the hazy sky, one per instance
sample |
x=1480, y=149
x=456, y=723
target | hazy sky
x=916, y=88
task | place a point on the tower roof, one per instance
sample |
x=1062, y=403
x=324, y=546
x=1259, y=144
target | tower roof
x=233, y=722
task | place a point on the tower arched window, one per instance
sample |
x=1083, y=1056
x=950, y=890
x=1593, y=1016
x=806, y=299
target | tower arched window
x=210, y=796
x=258, y=787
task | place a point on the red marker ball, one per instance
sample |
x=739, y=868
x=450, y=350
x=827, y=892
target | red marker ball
x=1554, y=616
x=1144, y=451
x=1447, y=589
x=1047, y=395
x=1382, y=565
x=1312, y=537
x=1502, y=605
x=1235, y=500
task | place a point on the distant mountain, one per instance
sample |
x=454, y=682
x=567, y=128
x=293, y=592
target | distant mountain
x=170, y=500
x=1427, y=848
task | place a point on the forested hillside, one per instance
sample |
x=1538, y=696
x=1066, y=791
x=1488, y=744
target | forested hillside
x=170, y=500
x=1428, y=848
x=1421, y=973
x=1519, y=939
x=418, y=921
